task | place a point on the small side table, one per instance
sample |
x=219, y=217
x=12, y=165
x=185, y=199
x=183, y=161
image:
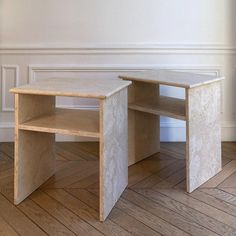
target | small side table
x=200, y=109
x=37, y=120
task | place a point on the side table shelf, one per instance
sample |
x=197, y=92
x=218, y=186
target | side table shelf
x=81, y=123
x=163, y=106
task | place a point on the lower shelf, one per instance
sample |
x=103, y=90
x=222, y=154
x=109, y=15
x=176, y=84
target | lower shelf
x=66, y=121
x=165, y=106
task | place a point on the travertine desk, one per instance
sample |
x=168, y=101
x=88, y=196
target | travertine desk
x=37, y=120
x=200, y=110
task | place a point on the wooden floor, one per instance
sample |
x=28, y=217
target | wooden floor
x=155, y=202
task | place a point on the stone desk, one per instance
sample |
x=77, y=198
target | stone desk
x=37, y=120
x=200, y=109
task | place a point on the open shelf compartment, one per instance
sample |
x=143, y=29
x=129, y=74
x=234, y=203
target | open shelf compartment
x=66, y=121
x=163, y=106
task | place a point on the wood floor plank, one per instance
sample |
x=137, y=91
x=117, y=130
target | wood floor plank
x=127, y=222
x=223, y=209
x=63, y=215
x=229, y=150
x=148, y=218
x=222, y=196
x=17, y=220
x=76, y=152
x=148, y=182
x=82, y=173
x=4, y=157
x=39, y=216
x=210, y=217
x=227, y=170
x=229, y=190
x=67, y=154
x=85, y=212
x=171, y=150
x=166, y=214
x=8, y=149
x=70, y=172
x=171, y=169
x=86, y=182
x=144, y=169
x=88, y=154
x=229, y=182
x=6, y=229
x=90, y=147
x=187, y=211
x=172, y=180
x=225, y=161
x=154, y=204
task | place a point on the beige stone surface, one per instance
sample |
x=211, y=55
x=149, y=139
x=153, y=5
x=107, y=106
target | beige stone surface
x=144, y=127
x=172, y=78
x=113, y=150
x=203, y=134
x=163, y=106
x=66, y=121
x=89, y=88
x=34, y=151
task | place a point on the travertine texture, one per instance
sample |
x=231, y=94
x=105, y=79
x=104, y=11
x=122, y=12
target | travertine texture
x=81, y=122
x=203, y=134
x=172, y=78
x=144, y=128
x=34, y=156
x=113, y=150
x=89, y=88
x=201, y=110
x=37, y=120
x=163, y=106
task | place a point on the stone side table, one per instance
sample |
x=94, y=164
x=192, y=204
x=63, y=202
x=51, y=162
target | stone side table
x=200, y=109
x=37, y=120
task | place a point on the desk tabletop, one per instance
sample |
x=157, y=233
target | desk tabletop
x=171, y=78
x=87, y=88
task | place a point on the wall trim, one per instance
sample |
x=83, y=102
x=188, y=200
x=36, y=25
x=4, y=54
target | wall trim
x=119, y=48
x=197, y=68
x=4, y=81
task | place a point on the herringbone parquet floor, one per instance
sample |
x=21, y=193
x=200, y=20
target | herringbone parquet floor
x=154, y=203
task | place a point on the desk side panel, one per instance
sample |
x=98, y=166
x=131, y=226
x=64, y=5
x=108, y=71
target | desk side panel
x=144, y=128
x=203, y=134
x=113, y=150
x=34, y=151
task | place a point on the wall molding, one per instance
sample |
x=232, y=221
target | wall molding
x=4, y=68
x=119, y=48
x=120, y=68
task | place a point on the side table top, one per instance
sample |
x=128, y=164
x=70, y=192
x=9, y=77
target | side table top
x=88, y=88
x=171, y=78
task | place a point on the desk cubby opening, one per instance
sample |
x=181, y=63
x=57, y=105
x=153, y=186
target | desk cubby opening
x=41, y=114
x=149, y=98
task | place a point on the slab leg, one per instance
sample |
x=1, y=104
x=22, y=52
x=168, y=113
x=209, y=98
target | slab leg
x=144, y=135
x=203, y=159
x=144, y=128
x=113, y=151
x=34, y=155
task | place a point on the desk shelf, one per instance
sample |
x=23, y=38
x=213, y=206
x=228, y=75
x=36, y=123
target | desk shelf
x=164, y=106
x=66, y=121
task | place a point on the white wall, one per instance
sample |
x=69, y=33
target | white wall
x=90, y=38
